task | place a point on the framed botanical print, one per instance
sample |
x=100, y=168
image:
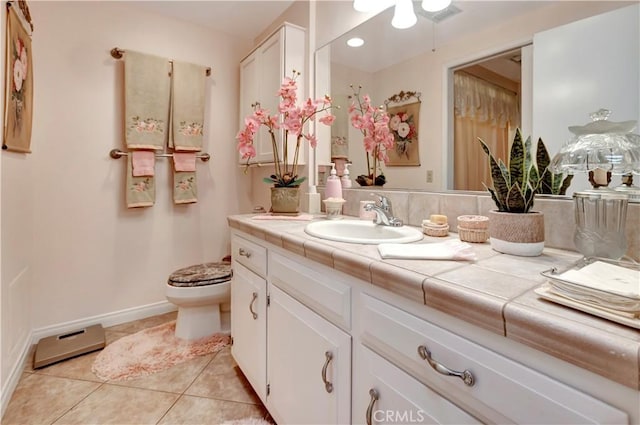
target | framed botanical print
x=404, y=114
x=18, y=105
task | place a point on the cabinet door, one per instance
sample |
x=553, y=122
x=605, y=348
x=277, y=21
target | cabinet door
x=384, y=394
x=249, y=326
x=261, y=75
x=269, y=80
x=309, y=365
x=249, y=92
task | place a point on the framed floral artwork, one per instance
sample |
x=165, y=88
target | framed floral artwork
x=404, y=113
x=18, y=105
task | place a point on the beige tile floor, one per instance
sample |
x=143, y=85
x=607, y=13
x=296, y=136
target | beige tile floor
x=205, y=390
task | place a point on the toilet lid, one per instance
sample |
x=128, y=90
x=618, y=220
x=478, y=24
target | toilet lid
x=201, y=274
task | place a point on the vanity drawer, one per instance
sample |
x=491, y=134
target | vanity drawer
x=329, y=298
x=249, y=254
x=502, y=389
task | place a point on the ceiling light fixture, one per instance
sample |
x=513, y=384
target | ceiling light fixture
x=363, y=5
x=435, y=5
x=355, y=42
x=404, y=16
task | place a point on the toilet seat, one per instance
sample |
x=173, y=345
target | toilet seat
x=201, y=275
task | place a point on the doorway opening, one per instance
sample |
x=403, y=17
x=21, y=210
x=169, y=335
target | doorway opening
x=489, y=99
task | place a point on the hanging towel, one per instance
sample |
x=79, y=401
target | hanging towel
x=185, y=190
x=147, y=92
x=140, y=191
x=187, y=106
x=184, y=161
x=143, y=163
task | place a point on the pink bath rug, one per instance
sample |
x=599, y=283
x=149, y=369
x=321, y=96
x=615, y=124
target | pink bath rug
x=151, y=350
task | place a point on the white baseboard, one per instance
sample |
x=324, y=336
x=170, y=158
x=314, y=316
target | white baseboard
x=106, y=320
x=14, y=377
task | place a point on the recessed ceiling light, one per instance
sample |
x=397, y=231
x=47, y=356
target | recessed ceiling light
x=355, y=42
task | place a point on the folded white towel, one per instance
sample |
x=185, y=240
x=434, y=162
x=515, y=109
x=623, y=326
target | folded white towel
x=448, y=250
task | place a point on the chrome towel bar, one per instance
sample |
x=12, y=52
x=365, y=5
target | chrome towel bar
x=117, y=153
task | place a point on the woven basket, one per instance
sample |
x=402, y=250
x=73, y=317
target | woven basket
x=438, y=230
x=473, y=222
x=473, y=235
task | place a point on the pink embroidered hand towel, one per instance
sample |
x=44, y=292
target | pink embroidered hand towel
x=143, y=163
x=184, y=161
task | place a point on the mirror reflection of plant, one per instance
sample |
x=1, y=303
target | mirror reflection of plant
x=374, y=125
x=551, y=183
x=292, y=119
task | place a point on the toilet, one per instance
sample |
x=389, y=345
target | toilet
x=199, y=291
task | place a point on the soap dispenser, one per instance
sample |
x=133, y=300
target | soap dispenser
x=345, y=179
x=334, y=186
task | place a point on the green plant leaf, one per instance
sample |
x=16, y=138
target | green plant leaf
x=498, y=171
x=517, y=161
x=516, y=202
x=565, y=185
x=542, y=156
x=500, y=205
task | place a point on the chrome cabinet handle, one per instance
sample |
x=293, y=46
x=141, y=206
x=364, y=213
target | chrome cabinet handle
x=253, y=313
x=425, y=354
x=374, y=397
x=328, y=386
x=244, y=253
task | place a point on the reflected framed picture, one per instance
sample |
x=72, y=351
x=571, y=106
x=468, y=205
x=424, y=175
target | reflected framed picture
x=18, y=105
x=404, y=114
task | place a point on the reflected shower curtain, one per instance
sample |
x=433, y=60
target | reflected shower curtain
x=486, y=111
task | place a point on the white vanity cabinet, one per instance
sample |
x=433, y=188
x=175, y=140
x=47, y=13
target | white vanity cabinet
x=337, y=350
x=486, y=384
x=261, y=74
x=385, y=394
x=309, y=365
x=249, y=312
x=298, y=361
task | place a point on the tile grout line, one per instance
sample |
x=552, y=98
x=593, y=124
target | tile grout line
x=80, y=401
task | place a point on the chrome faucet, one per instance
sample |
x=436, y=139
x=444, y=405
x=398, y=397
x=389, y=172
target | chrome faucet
x=384, y=212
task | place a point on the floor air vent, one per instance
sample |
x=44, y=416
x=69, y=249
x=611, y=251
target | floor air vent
x=71, y=344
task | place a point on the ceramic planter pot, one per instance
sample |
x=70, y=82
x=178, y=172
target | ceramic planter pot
x=517, y=233
x=285, y=200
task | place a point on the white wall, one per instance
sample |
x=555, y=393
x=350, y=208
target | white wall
x=17, y=185
x=70, y=248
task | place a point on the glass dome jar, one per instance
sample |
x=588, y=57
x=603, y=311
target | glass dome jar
x=600, y=144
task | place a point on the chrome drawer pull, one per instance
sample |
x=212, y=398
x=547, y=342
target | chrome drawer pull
x=244, y=253
x=374, y=397
x=253, y=313
x=425, y=354
x=328, y=386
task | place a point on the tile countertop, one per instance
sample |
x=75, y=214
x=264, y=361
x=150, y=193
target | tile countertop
x=495, y=292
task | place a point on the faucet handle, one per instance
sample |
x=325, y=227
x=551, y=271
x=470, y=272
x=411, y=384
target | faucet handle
x=385, y=203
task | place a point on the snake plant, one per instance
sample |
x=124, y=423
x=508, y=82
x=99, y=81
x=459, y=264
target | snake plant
x=515, y=183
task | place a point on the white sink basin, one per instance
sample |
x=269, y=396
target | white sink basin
x=363, y=232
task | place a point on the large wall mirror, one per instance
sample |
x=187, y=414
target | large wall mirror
x=488, y=49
